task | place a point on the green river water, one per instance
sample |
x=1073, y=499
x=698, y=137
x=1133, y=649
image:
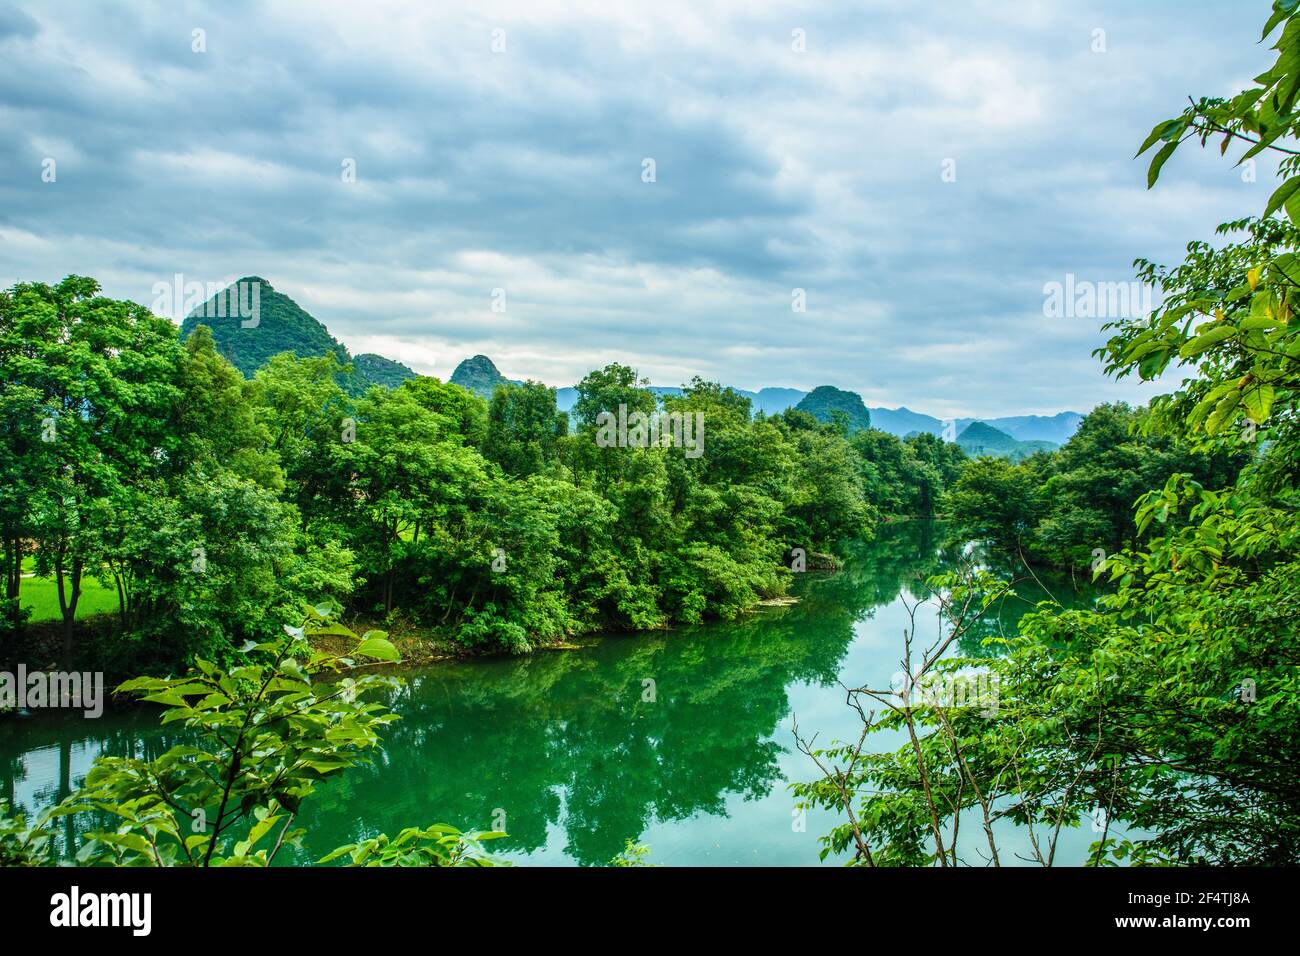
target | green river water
x=564, y=749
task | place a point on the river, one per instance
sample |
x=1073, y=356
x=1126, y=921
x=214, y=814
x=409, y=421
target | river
x=681, y=740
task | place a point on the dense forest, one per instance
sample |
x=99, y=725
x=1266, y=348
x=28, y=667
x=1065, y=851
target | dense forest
x=1071, y=508
x=215, y=506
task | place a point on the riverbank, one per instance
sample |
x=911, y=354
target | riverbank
x=678, y=739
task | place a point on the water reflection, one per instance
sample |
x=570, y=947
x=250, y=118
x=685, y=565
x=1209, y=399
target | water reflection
x=681, y=738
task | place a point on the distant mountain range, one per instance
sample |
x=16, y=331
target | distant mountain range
x=284, y=326
x=479, y=374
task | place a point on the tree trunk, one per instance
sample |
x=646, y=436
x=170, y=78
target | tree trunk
x=65, y=791
x=121, y=602
x=68, y=607
x=14, y=557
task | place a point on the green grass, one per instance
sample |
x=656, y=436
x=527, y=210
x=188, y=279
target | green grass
x=41, y=595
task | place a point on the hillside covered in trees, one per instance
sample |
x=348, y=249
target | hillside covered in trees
x=248, y=341
x=978, y=439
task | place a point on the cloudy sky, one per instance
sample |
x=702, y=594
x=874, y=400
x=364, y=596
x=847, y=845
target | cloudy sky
x=920, y=170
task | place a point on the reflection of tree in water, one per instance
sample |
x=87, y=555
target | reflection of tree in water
x=565, y=739
x=122, y=732
x=902, y=555
x=1031, y=585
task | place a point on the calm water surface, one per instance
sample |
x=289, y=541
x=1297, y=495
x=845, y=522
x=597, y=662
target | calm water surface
x=564, y=745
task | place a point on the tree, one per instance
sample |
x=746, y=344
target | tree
x=523, y=428
x=217, y=422
x=1090, y=488
x=306, y=414
x=409, y=482
x=996, y=501
x=94, y=380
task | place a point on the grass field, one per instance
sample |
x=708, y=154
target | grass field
x=41, y=595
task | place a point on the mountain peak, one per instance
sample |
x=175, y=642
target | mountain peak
x=824, y=400
x=480, y=363
x=981, y=438
x=982, y=431
x=280, y=325
x=479, y=374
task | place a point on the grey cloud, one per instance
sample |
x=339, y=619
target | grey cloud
x=775, y=170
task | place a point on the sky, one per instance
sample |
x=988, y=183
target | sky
x=922, y=172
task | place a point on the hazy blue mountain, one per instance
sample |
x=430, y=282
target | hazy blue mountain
x=903, y=421
x=773, y=401
x=1054, y=428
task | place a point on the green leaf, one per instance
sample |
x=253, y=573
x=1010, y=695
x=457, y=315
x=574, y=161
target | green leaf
x=1256, y=322
x=1153, y=172
x=1153, y=364
x=1204, y=341
x=1258, y=402
x=1279, y=14
x=260, y=830
x=1282, y=194
x=1223, y=412
x=1162, y=130
x=378, y=648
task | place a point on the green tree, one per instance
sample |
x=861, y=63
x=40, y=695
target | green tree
x=996, y=501
x=94, y=380
x=217, y=424
x=523, y=428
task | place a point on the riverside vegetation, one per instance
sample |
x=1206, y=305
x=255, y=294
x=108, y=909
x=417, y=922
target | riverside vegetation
x=214, y=507
x=1173, y=707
